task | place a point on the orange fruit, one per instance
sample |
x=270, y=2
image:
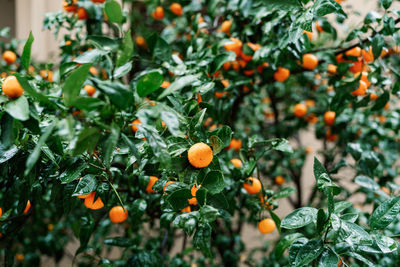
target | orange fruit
x=200, y=155
x=310, y=103
x=176, y=8
x=118, y=214
x=135, y=124
x=90, y=202
x=266, y=226
x=357, y=66
x=253, y=46
x=10, y=57
x=158, y=13
x=82, y=14
x=300, y=110
x=93, y=71
x=11, y=87
x=90, y=90
x=318, y=27
x=367, y=55
x=165, y=84
x=98, y=1
x=225, y=83
x=309, y=34
x=140, y=41
x=152, y=181
x=281, y=74
x=193, y=191
x=329, y=117
x=225, y=26
x=235, y=144
x=373, y=96
x=70, y=7
x=237, y=163
x=364, y=77
x=330, y=136
x=332, y=68
x=167, y=184
x=310, y=61
x=50, y=227
x=220, y=94
x=187, y=209
x=235, y=45
x=385, y=189
x=279, y=180
x=361, y=90
x=19, y=257
x=84, y=196
x=354, y=52
x=47, y=75
x=1, y=212
x=27, y=207
x=254, y=187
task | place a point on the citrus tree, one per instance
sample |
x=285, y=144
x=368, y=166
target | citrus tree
x=165, y=127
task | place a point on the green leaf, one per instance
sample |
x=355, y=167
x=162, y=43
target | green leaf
x=208, y=214
x=149, y=83
x=74, y=82
x=34, y=156
x=87, y=140
x=353, y=234
x=178, y=84
x=90, y=56
x=309, y=252
x=385, y=243
x=86, y=229
x=126, y=50
x=385, y=213
x=381, y=101
x=26, y=53
x=201, y=239
x=218, y=201
x=33, y=92
x=328, y=259
x=282, y=145
x=355, y=150
x=284, y=243
x=72, y=172
x=219, y=60
x=377, y=44
x=119, y=242
x=213, y=182
x=117, y=92
x=114, y=12
x=87, y=103
x=8, y=154
x=284, y=192
x=216, y=144
x=18, y=108
x=121, y=71
x=299, y=218
x=386, y=3
x=110, y=145
x=156, y=142
x=86, y=185
x=284, y=5
x=367, y=183
x=179, y=198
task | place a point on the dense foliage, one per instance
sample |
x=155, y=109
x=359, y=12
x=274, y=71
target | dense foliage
x=120, y=130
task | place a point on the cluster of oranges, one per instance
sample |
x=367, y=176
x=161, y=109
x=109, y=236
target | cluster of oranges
x=175, y=8
x=72, y=7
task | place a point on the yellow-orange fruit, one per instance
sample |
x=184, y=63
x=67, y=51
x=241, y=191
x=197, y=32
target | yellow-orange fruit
x=226, y=26
x=118, y=214
x=158, y=13
x=152, y=181
x=329, y=117
x=135, y=124
x=11, y=87
x=310, y=61
x=167, y=184
x=235, y=144
x=10, y=57
x=279, y=180
x=354, y=52
x=90, y=90
x=254, y=187
x=200, y=155
x=90, y=202
x=300, y=110
x=27, y=207
x=361, y=90
x=237, y=163
x=176, y=8
x=281, y=74
x=266, y=226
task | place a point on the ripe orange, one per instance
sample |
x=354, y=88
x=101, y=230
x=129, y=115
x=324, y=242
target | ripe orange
x=193, y=191
x=118, y=214
x=330, y=136
x=27, y=207
x=93, y=71
x=266, y=226
x=10, y=57
x=310, y=103
x=1, y=212
x=176, y=8
x=152, y=181
x=309, y=34
x=19, y=257
x=167, y=184
x=90, y=202
x=70, y=8
x=47, y=75
x=332, y=68
x=158, y=13
x=364, y=77
x=319, y=27
x=220, y=94
x=84, y=196
x=329, y=117
x=254, y=187
x=279, y=180
x=281, y=74
x=11, y=87
x=237, y=163
x=187, y=209
x=226, y=26
x=50, y=227
x=235, y=45
x=90, y=90
x=367, y=55
x=140, y=41
x=135, y=124
x=310, y=61
x=361, y=90
x=98, y=1
x=357, y=66
x=354, y=52
x=235, y=144
x=82, y=14
x=300, y=110
x=200, y=155
x=373, y=96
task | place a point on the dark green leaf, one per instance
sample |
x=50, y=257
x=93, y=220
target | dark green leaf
x=86, y=185
x=114, y=12
x=18, y=108
x=149, y=83
x=299, y=218
x=385, y=213
x=26, y=53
